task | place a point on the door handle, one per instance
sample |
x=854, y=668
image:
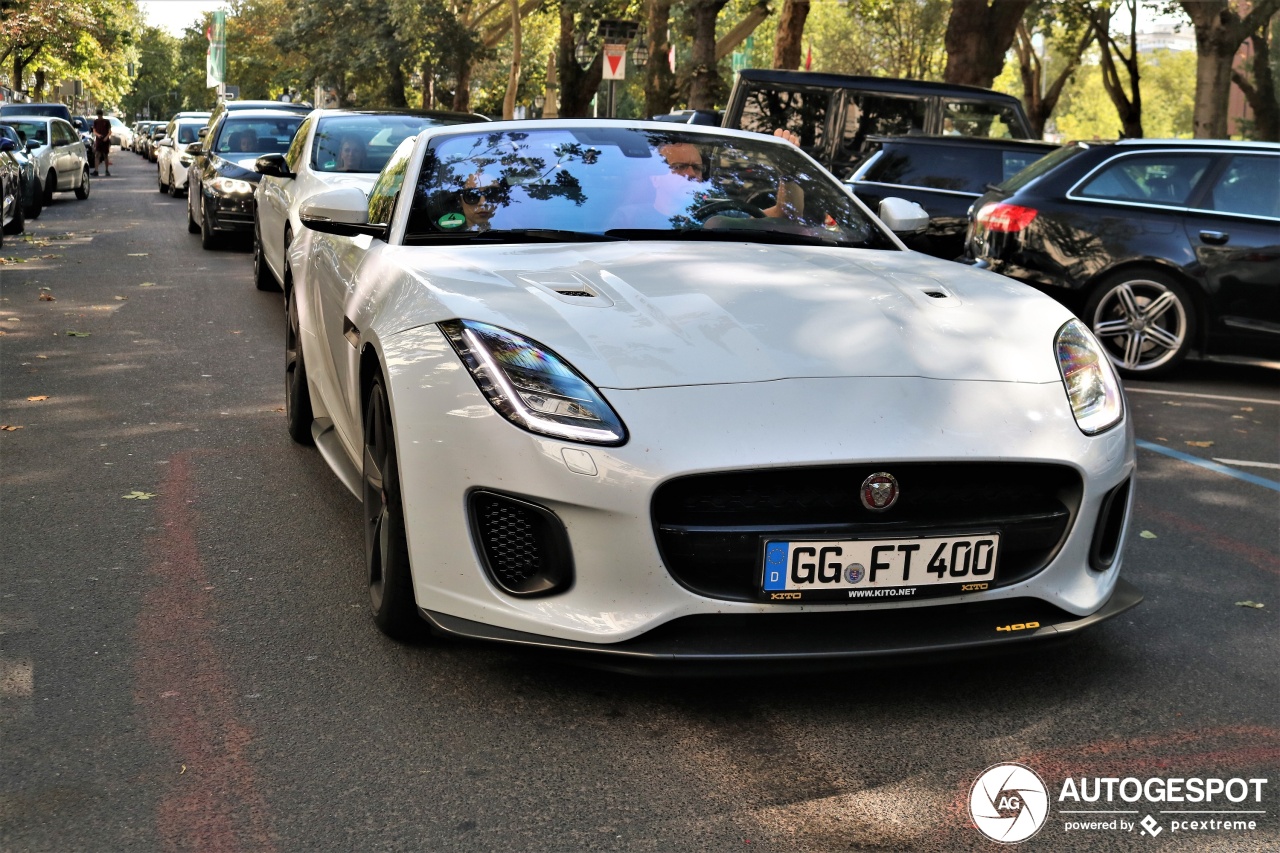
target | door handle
x=1215, y=238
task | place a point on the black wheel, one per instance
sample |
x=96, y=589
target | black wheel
x=193, y=227
x=82, y=191
x=386, y=549
x=19, y=222
x=1144, y=319
x=297, y=396
x=721, y=205
x=174, y=192
x=37, y=201
x=208, y=237
x=262, y=276
x=164, y=188
x=50, y=184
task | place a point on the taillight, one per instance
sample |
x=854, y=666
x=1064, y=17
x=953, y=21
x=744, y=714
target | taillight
x=1009, y=218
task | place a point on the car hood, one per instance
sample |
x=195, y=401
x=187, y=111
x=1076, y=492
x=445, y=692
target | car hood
x=668, y=314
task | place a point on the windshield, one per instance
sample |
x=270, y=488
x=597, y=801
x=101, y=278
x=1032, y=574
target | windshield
x=247, y=137
x=607, y=183
x=364, y=143
x=31, y=130
x=1039, y=167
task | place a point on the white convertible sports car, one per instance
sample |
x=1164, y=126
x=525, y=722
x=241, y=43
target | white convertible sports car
x=638, y=393
x=332, y=148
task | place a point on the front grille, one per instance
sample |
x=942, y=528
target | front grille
x=711, y=527
x=525, y=548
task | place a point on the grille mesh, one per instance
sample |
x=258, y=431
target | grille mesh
x=524, y=545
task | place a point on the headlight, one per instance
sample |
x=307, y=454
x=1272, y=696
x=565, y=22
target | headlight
x=533, y=387
x=1091, y=384
x=231, y=186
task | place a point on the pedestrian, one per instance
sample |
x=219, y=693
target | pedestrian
x=102, y=143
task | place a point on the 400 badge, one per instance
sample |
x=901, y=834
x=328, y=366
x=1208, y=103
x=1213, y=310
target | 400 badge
x=855, y=570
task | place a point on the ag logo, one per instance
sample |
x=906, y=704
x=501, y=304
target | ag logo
x=1008, y=803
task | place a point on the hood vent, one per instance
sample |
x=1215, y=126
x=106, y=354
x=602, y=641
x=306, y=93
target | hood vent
x=571, y=287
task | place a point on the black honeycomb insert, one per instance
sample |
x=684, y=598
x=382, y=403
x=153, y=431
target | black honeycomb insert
x=524, y=546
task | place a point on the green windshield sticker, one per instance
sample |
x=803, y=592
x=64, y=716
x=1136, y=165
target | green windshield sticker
x=452, y=220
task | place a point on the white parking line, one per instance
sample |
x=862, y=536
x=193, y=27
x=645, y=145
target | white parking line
x=1243, y=463
x=1129, y=390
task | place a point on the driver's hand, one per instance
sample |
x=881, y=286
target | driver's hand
x=789, y=136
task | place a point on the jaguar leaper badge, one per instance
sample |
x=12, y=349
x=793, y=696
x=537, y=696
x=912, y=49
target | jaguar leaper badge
x=879, y=492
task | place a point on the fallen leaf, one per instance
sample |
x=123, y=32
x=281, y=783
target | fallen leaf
x=147, y=284
x=50, y=257
x=48, y=297
x=9, y=427
x=1171, y=403
x=1256, y=605
x=1147, y=534
x=42, y=356
x=138, y=254
x=237, y=333
x=1158, y=438
x=13, y=319
x=1200, y=443
x=37, y=398
x=1246, y=408
x=121, y=298
x=74, y=334
x=136, y=495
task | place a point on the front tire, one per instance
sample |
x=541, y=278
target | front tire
x=208, y=237
x=82, y=191
x=164, y=188
x=386, y=548
x=297, y=394
x=1144, y=319
x=193, y=227
x=263, y=279
x=50, y=184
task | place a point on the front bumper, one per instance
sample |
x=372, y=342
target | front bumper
x=724, y=644
x=230, y=213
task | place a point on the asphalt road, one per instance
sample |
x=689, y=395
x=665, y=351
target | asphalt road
x=186, y=660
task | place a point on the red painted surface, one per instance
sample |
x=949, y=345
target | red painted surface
x=186, y=694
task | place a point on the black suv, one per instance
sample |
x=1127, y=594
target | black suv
x=1161, y=246
x=944, y=175
x=835, y=114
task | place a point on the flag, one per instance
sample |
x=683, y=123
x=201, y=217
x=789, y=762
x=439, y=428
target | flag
x=808, y=60
x=215, y=73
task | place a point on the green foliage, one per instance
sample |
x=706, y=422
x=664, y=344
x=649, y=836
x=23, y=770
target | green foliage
x=1168, y=95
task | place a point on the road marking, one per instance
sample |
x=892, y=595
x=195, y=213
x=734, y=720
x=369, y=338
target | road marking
x=1212, y=466
x=1244, y=463
x=1202, y=396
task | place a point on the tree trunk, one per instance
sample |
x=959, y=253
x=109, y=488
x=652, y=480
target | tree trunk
x=978, y=37
x=1039, y=101
x=462, y=94
x=1219, y=33
x=513, y=79
x=659, y=80
x=428, y=85
x=788, y=45
x=1128, y=104
x=1261, y=93
x=577, y=85
x=704, y=78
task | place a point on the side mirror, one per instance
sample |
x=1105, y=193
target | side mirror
x=166, y=142
x=272, y=166
x=343, y=211
x=195, y=149
x=204, y=131
x=902, y=216
x=7, y=144
x=33, y=144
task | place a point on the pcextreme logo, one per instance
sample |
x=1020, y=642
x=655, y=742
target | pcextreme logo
x=1008, y=803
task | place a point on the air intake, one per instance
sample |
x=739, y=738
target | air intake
x=524, y=546
x=1106, y=533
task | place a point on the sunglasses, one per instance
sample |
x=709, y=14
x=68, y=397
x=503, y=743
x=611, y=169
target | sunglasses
x=686, y=167
x=479, y=194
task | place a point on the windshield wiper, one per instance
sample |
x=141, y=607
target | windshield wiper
x=734, y=235
x=514, y=235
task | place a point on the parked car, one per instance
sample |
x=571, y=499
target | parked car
x=59, y=157
x=121, y=135
x=314, y=163
x=944, y=175
x=32, y=192
x=595, y=400
x=302, y=108
x=222, y=178
x=173, y=154
x=56, y=110
x=12, y=216
x=835, y=114
x=158, y=131
x=712, y=118
x=1161, y=246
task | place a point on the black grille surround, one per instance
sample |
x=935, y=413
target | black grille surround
x=711, y=528
x=524, y=546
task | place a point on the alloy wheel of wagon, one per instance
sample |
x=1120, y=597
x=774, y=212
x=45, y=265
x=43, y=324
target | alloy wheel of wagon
x=297, y=396
x=1144, y=320
x=386, y=548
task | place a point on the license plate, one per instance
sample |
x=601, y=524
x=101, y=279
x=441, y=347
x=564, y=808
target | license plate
x=878, y=569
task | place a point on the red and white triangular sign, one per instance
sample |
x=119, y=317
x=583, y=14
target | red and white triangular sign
x=615, y=62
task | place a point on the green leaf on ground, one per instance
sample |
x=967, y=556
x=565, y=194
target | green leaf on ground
x=136, y=495
x=1256, y=605
x=1147, y=534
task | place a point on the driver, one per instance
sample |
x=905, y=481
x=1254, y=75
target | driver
x=685, y=159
